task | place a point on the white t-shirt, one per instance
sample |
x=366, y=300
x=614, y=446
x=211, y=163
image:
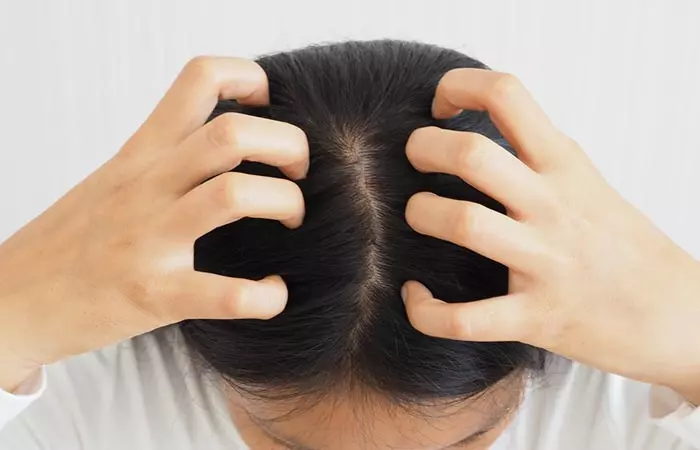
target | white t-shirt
x=146, y=394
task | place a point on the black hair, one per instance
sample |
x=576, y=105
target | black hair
x=345, y=322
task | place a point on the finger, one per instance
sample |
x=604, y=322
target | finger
x=194, y=93
x=480, y=162
x=503, y=318
x=209, y=296
x=476, y=227
x=232, y=196
x=223, y=143
x=511, y=107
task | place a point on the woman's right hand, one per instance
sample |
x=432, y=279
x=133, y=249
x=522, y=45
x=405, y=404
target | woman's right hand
x=113, y=258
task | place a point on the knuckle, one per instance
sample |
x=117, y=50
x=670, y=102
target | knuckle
x=552, y=202
x=140, y=295
x=223, y=131
x=465, y=223
x=472, y=153
x=504, y=87
x=552, y=330
x=561, y=260
x=227, y=191
x=201, y=69
x=136, y=291
x=459, y=326
x=236, y=304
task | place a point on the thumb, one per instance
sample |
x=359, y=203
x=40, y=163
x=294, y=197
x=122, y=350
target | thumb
x=504, y=318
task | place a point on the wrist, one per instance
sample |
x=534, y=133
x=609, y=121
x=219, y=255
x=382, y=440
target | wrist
x=18, y=361
x=29, y=384
x=12, y=378
x=688, y=385
x=690, y=393
x=15, y=370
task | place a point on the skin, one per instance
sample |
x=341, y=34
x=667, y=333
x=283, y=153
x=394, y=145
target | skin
x=587, y=269
x=358, y=420
x=113, y=258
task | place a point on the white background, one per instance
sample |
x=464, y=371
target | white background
x=622, y=78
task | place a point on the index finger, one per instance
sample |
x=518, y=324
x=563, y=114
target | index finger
x=511, y=107
x=505, y=318
x=200, y=85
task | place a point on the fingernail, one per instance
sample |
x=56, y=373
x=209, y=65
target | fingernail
x=275, y=293
x=272, y=279
x=293, y=223
x=305, y=172
x=296, y=171
x=404, y=292
x=445, y=111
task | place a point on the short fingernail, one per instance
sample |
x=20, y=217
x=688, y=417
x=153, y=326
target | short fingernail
x=404, y=292
x=298, y=171
x=306, y=166
x=445, y=110
x=293, y=223
x=275, y=293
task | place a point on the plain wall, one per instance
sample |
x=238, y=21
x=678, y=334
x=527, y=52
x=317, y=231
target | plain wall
x=622, y=78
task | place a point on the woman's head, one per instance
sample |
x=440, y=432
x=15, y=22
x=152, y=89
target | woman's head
x=344, y=347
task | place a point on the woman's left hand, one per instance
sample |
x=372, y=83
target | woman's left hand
x=591, y=278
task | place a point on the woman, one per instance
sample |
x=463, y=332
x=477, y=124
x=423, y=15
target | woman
x=337, y=365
